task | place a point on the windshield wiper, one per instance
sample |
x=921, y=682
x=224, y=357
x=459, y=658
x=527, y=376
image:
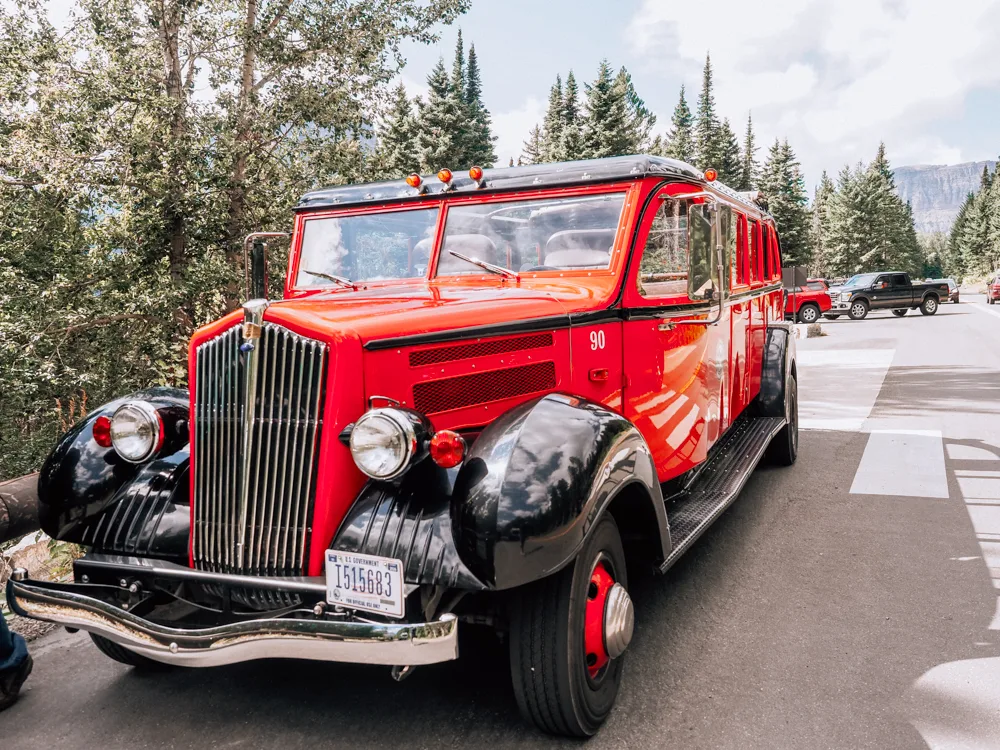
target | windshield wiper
x=500, y=270
x=330, y=277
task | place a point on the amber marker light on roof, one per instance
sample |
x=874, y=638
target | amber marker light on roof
x=476, y=173
x=711, y=175
x=445, y=176
x=414, y=181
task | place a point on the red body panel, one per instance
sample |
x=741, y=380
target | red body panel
x=796, y=300
x=993, y=289
x=681, y=387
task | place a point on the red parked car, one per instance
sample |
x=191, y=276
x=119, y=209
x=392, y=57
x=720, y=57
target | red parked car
x=806, y=303
x=993, y=290
x=476, y=394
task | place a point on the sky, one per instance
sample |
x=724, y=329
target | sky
x=835, y=77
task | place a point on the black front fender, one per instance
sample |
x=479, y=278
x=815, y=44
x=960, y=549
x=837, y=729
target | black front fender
x=537, y=480
x=778, y=366
x=87, y=493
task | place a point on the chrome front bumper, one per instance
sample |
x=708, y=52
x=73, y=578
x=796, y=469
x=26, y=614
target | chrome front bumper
x=403, y=644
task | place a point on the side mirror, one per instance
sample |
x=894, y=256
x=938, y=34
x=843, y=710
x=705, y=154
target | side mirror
x=255, y=262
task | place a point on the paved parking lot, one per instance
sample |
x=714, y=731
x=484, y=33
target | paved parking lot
x=847, y=602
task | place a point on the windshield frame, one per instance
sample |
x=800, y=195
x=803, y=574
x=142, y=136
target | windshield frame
x=630, y=190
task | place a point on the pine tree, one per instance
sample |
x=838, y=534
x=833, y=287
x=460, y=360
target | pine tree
x=533, y=147
x=639, y=120
x=396, y=153
x=730, y=164
x=784, y=187
x=749, y=168
x=680, y=140
x=480, y=146
x=442, y=121
x=708, y=149
x=572, y=120
x=820, y=226
x=848, y=227
x=552, y=127
x=607, y=127
x=458, y=65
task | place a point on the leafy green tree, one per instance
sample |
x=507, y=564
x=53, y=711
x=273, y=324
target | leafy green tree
x=572, y=120
x=934, y=246
x=396, y=155
x=749, y=168
x=784, y=187
x=819, y=228
x=138, y=146
x=481, y=145
x=552, y=126
x=680, y=140
x=639, y=120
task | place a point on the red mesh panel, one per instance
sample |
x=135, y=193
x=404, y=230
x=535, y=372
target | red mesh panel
x=479, y=349
x=482, y=387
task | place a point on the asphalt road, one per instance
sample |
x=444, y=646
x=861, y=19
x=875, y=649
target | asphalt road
x=847, y=602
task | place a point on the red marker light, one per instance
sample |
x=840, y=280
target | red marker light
x=102, y=431
x=414, y=180
x=447, y=449
x=476, y=173
x=711, y=175
x=445, y=176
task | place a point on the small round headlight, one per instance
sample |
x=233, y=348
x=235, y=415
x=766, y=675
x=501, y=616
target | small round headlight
x=382, y=443
x=136, y=431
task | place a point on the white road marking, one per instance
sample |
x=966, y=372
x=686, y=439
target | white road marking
x=956, y=706
x=908, y=463
x=986, y=310
x=825, y=403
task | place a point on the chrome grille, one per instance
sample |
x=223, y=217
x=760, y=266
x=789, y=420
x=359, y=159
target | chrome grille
x=255, y=462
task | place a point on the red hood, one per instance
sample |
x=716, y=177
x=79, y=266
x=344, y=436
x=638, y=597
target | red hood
x=394, y=311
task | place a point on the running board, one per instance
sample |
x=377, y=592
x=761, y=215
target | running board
x=719, y=482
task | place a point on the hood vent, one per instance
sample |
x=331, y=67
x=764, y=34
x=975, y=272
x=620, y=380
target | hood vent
x=435, y=356
x=435, y=396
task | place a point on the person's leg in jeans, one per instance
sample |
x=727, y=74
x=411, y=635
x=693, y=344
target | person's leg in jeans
x=15, y=664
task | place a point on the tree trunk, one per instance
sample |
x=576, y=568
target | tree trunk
x=236, y=220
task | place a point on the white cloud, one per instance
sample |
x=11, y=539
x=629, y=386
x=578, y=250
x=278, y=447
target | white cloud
x=513, y=126
x=834, y=76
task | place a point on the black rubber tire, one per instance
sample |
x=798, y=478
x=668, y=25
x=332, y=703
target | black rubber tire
x=900, y=313
x=784, y=447
x=808, y=313
x=123, y=656
x=929, y=306
x=547, y=660
x=859, y=310
x=957, y=300
x=831, y=317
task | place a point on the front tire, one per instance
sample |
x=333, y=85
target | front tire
x=784, y=447
x=564, y=684
x=929, y=306
x=900, y=313
x=808, y=314
x=859, y=310
x=123, y=656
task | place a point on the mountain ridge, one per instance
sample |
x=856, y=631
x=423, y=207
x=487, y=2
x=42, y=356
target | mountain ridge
x=937, y=191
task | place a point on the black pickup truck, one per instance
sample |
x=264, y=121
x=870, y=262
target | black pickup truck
x=885, y=290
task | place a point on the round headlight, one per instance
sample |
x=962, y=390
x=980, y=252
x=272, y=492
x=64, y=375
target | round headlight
x=136, y=431
x=382, y=442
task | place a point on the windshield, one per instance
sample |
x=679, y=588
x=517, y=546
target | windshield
x=367, y=247
x=543, y=234
x=861, y=279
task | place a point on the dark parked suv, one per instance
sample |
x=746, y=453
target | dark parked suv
x=890, y=290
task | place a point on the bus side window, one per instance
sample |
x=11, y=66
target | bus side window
x=756, y=259
x=743, y=251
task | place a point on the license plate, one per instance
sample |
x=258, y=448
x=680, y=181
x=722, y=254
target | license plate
x=367, y=582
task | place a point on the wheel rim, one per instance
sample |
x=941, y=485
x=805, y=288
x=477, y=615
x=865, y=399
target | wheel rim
x=931, y=304
x=594, y=642
x=809, y=315
x=858, y=309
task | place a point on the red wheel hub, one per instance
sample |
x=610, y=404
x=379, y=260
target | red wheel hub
x=593, y=622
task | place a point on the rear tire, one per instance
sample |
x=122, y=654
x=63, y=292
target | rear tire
x=123, y=656
x=548, y=661
x=784, y=447
x=808, y=314
x=859, y=310
x=831, y=317
x=900, y=313
x=929, y=306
